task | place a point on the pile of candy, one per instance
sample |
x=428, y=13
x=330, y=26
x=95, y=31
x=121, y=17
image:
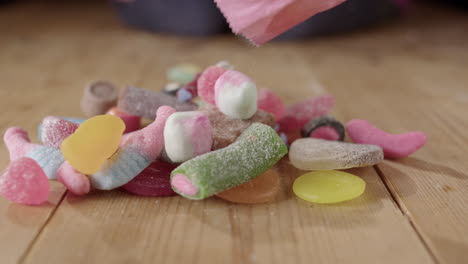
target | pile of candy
x=211, y=133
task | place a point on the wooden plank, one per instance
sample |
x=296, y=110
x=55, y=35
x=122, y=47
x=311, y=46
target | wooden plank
x=116, y=227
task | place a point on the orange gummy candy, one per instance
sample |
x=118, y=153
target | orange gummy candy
x=262, y=189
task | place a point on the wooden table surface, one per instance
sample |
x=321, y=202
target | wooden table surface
x=407, y=75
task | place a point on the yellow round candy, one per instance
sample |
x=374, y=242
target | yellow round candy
x=93, y=143
x=327, y=187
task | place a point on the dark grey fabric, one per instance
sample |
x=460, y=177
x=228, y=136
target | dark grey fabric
x=185, y=17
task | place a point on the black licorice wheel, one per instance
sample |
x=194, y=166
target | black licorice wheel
x=323, y=121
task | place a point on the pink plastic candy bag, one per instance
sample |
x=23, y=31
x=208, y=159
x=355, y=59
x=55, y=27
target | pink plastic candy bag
x=262, y=20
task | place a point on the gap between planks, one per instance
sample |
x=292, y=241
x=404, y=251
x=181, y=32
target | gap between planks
x=404, y=211
x=41, y=229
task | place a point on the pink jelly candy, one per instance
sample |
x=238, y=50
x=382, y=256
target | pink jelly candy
x=54, y=130
x=206, y=83
x=394, y=146
x=269, y=102
x=327, y=133
x=153, y=181
x=76, y=182
x=262, y=20
x=297, y=115
x=132, y=122
x=24, y=182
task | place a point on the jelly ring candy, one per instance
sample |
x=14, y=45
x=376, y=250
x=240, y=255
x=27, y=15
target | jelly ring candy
x=324, y=121
x=255, y=151
x=93, y=143
x=98, y=97
x=327, y=187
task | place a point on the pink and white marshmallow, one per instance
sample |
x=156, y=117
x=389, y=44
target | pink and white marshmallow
x=187, y=135
x=236, y=95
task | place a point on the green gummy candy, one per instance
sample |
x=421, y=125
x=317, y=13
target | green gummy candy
x=256, y=150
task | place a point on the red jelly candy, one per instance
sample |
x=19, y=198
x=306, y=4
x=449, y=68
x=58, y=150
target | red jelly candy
x=206, y=83
x=152, y=181
x=269, y=102
x=25, y=182
x=132, y=123
x=297, y=115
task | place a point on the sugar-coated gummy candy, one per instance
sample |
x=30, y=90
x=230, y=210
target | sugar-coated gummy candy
x=70, y=119
x=324, y=121
x=152, y=181
x=98, y=97
x=255, y=151
x=206, y=83
x=19, y=145
x=236, y=95
x=75, y=182
x=327, y=187
x=24, y=181
x=271, y=103
x=226, y=130
x=93, y=143
x=264, y=188
x=137, y=152
x=182, y=73
x=145, y=103
x=55, y=129
x=297, y=115
x=17, y=142
x=187, y=135
x=132, y=122
x=318, y=154
x=394, y=145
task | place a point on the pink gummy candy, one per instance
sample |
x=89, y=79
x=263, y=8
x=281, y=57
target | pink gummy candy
x=76, y=182
x=327, y=133
x=153, y=181
x=394, y=146
x=18, y=143
x=269, y=102
x=262, y=20
x=149, y=141
x=24, y=182
x=132, y=122
x=206, y=83
x=54, y=130
x=297, y=115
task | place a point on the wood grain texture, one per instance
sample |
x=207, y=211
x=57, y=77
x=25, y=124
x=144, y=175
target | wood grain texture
x=405, y=76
